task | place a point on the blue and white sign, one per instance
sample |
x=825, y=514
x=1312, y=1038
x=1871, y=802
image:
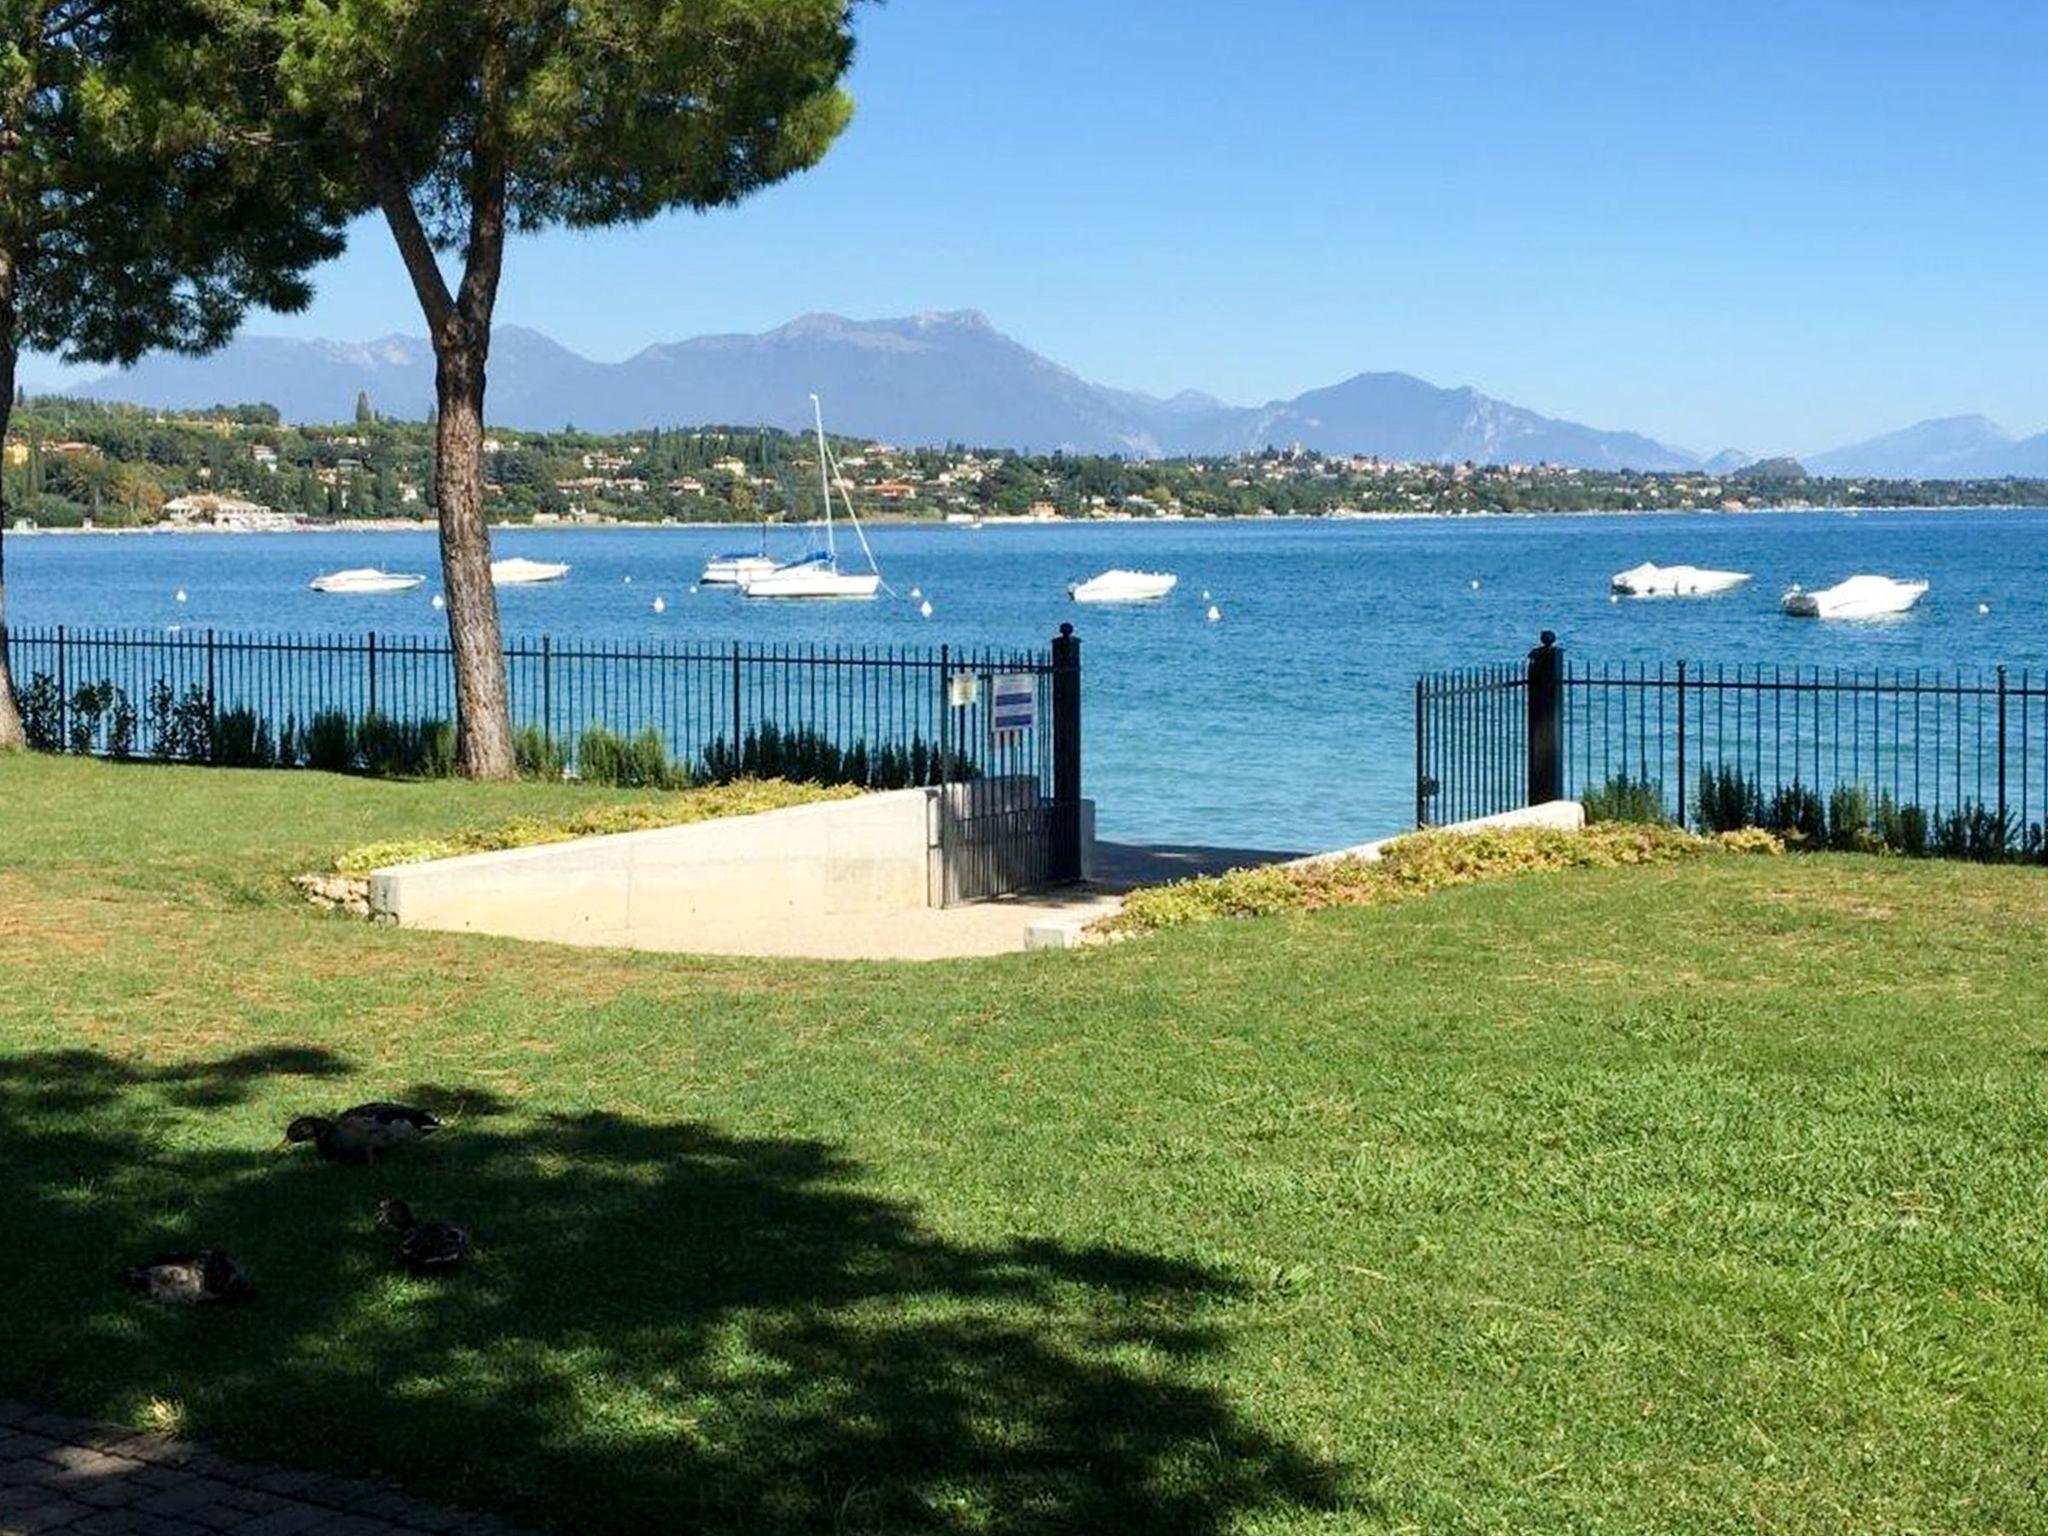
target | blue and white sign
x=1013, y=703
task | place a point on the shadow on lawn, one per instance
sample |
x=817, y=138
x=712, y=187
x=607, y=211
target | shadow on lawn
x=668, y=1328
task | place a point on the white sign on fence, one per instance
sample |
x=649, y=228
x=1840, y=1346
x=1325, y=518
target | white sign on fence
x=1013, y=702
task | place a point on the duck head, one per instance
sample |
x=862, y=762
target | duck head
x=307, y=1128
x=393, y=1212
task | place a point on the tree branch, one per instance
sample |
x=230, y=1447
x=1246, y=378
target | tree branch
x=417, y=251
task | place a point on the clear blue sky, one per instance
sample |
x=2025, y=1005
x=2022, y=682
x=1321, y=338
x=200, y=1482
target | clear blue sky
x=1777, y=226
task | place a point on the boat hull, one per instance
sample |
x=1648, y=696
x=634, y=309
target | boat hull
x=365, y=583
x=1124, y=587
x=1675, y=581
x=1860, y=597
x=736, y=570
x=811, y=582
x=526, y=573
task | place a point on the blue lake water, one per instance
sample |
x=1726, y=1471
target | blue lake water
x=1287, y=724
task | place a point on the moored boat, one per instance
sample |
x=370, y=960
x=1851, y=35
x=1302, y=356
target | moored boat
x=736, y=570
x=521, y=572
x=363, y=580
x=818, y=575
x=1651, y=580
x=1860, y=597
x=1121, y=586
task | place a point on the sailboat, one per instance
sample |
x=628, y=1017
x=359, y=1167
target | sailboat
x=820, y=576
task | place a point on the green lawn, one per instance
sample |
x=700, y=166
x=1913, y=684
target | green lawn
x=1710, y=1197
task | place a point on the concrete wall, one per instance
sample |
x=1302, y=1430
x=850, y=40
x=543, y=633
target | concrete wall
x=1563, y=815
x=864, y=855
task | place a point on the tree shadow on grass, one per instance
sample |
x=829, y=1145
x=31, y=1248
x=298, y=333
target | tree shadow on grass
x=667, y=1327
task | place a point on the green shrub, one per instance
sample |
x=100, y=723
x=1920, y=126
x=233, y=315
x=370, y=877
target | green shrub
x=42, y=713
x=242, y=740
x=1902, y=829
x=1975, y=832
x=537, y=754
x=1729, y=800
x=811, y=757
x=1622, y=798
x=1851, y=828
x=1415, y=866
x=1797, y=815
x=331, y=742
x=603, y=756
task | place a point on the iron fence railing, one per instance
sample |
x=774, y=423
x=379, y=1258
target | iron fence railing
x=1004, y=721
x=1949, y=743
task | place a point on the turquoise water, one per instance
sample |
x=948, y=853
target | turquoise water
x=1286, y=724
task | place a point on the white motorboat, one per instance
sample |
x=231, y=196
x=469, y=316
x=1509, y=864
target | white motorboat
x=818, y=575
x=1860, y=597
x=521, y=572
x=363, y=579
x=1648, y=580
x=1121, y=586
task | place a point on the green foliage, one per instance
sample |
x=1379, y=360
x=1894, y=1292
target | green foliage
x=603, y=756
x=538, y=754
x=744, y=798
x=42, y=713
x=1729, y=800
x=1852, y=824
x=1797, y=814
x=1903, y=829
x=1975, y=832
x=1623, y=798
x=809, y=756
x=331, y=742
x=1416, y=866
x=405, y=749
x=241, y=739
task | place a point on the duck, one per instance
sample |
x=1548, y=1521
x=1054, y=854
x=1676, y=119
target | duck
x=424, y=1247
x=357, y=1135
x=190, y=1279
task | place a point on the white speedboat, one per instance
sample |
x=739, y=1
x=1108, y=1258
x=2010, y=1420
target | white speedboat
x=1648, y=580
x=365, y=579
x=1121, y=586
x=1860, y=597
x=818, y=575
x=521, y=572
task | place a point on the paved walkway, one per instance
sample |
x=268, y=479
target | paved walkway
x=75, y=1476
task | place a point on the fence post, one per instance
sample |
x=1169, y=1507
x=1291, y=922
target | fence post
x=547, y=689
x=739, y=745
x=1066, y=754
x=1421, y=783
x=63, y=695
x=945, y=716
x=212, y=696
x=1681, y=745
x=2001, y=751
x=373, y=674
x=1546, y=709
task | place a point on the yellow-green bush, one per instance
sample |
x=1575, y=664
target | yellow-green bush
x=743, y=797
x=1415, y=866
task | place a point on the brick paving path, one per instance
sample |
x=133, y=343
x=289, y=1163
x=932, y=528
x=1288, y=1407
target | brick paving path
x=75, y=1476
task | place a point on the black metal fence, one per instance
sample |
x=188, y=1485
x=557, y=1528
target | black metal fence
x=1955, y=744
x=997, y=730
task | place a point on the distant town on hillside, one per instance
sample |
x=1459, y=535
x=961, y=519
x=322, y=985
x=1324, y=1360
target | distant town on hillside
x=82, y=463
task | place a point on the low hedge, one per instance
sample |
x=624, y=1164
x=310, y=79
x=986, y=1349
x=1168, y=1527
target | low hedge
x=1415, y=866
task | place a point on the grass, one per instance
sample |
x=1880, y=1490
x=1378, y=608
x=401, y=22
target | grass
x=1693, y=1197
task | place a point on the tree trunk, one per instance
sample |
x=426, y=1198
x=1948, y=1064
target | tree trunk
x=483, y=712
x=12, y=736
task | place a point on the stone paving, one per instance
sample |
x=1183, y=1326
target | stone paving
x=76, y=1476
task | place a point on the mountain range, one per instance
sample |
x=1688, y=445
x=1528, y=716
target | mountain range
x=954, y=378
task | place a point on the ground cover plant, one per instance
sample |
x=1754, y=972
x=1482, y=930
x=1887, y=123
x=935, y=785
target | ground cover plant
x=1702, y=1195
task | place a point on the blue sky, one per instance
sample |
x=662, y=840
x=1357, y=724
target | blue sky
x=1774, y=226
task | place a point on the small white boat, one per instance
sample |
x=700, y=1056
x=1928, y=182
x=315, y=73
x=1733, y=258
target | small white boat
x=521, y=572
x=1860, y=597
x=1648, y=580
x=818, y=575
x=1121, y=586
x=362, y=579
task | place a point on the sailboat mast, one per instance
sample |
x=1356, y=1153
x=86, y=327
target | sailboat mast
x=824, y=476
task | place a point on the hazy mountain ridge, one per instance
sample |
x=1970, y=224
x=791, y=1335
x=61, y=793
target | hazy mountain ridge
x=952, y=377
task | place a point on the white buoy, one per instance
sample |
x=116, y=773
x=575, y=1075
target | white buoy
x=661, y=605
x=925, y=608
x=1983, y=607
x=440, y=601
x=1205, y=594
x=1612, y=598
x=181, y=594
x=629, y=581
x=1215, y=614
x=1475, y=583
x=917, y=591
